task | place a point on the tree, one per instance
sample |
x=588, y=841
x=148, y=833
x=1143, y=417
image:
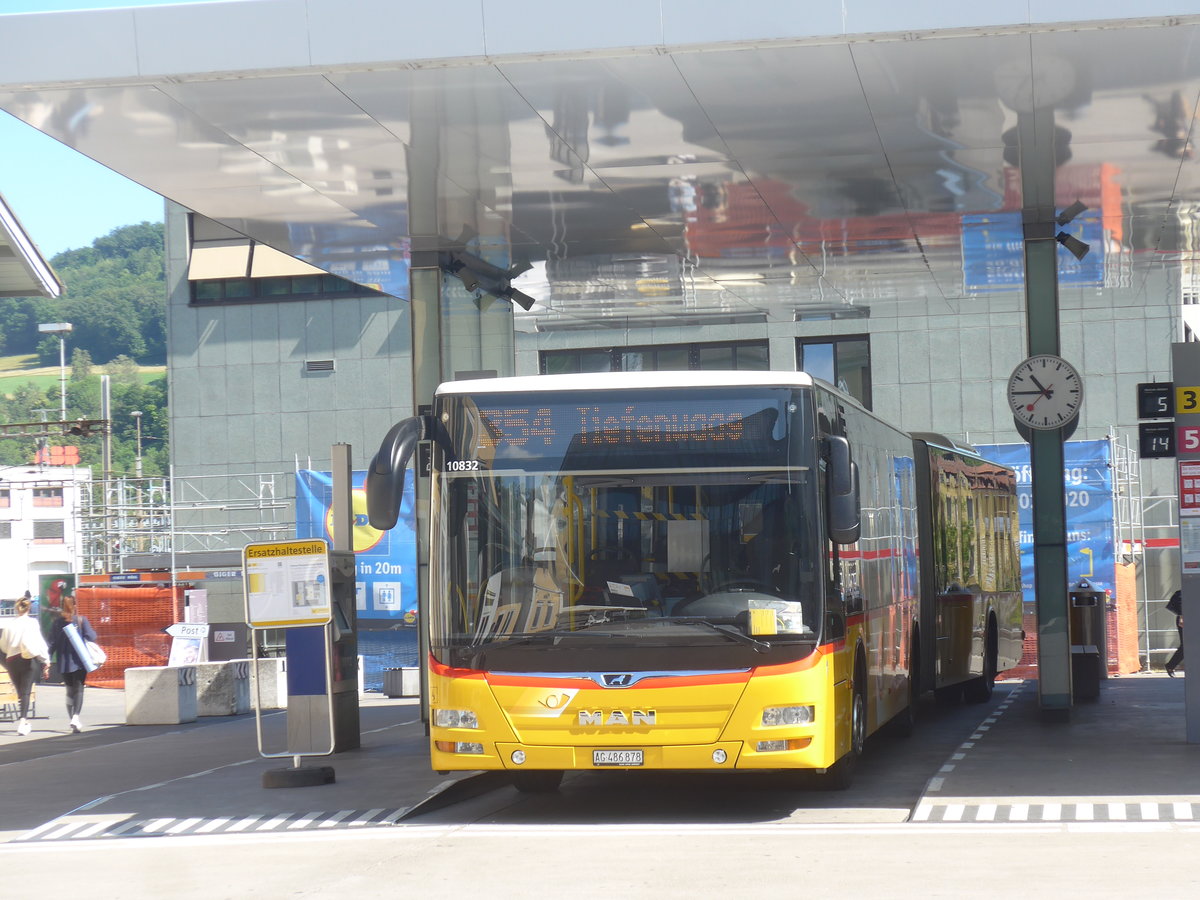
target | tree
x=81, y=364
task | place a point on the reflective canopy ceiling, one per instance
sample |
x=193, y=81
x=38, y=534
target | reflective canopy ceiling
x=713, y=182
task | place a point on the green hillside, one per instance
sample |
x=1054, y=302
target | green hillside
x=115, y=299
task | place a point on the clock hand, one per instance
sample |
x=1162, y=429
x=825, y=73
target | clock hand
x=1038, y=383
x=1040, y=393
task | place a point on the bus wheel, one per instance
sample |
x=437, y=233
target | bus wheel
x=979, y=690
x=537, y=781
x=840, y=775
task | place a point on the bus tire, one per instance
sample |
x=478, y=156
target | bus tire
x=537, y=781
x=840, y=775
x=979, y=690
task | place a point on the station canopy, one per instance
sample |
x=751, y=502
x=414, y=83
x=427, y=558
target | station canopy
x=23, y=271
x=651, y=163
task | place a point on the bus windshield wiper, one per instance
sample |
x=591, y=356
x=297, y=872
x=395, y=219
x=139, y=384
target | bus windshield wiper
x=759, y=646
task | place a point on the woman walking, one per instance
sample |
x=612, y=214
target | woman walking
x=25, y=656
x=74, y=672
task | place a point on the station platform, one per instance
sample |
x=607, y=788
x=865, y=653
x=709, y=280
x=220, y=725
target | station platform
x=1122, y=758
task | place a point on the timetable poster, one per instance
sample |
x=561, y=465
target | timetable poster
x=287, y=583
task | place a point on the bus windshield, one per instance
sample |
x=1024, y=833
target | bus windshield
x=673, y=530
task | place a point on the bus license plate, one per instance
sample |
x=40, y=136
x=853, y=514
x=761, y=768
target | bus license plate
x=616, y=757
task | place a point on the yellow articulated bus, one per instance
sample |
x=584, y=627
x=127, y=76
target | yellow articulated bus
x=695, y=570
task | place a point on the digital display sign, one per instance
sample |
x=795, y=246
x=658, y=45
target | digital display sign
x=1156, y=400
x=578, y=430
x=1156, y=440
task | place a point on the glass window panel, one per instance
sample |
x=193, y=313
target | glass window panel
x=715, y=356
x=637, y=361
x=817, y=361
x=208, y=290
x=238, y=288
x=560, y=363
x=753, y=357
x=306, y=284
x=673, y=358
x=595, y=361
x=274, y=287
x=854, y=368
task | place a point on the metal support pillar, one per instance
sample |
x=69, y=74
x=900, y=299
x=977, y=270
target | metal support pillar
x=347, y=730
x=454, y=333
x=1036, y=136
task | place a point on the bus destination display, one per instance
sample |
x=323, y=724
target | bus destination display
x=583, y=433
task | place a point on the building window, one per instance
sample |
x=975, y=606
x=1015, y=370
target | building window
x=47, y=496
x=842, y=361
x=48, y=531
x=746, y=355
x=5, y=502
x=287, y=287
x=5, y=531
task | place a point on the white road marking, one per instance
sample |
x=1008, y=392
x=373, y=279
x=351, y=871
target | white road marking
x=335, y=818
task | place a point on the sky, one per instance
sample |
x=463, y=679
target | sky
x=63, y=199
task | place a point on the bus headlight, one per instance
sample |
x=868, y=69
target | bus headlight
x=788, y=715
x=455, y=718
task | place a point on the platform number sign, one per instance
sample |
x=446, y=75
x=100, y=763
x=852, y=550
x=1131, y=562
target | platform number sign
x=1156, y=400
x=1156, y=440
x=1187, y=400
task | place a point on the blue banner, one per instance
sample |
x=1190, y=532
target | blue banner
x=386, y=561
x=993, y=250
x=1087, y=482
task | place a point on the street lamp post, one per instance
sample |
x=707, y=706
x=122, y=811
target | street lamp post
x=137, y=420
x=61, y=329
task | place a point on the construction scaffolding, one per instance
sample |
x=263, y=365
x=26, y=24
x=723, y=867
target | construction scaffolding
x=121, y=517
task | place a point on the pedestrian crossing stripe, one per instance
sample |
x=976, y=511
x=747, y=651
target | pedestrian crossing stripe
x=1054, y=810
x=158, y=826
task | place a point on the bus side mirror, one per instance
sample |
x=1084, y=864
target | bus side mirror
x=842, y=486
x=385, y=474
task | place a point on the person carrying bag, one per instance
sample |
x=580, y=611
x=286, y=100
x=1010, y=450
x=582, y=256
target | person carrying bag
x=69, y=640
x=25, y=654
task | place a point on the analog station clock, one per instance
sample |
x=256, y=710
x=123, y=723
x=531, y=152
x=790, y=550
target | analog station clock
x=1045, y=392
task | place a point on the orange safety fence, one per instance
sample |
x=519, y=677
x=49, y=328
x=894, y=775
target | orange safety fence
x=129, y=623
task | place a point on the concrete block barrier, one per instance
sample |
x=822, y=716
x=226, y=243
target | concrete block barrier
x=223, y=688
x=402, y=682
x=268, y=682
x=160, y=695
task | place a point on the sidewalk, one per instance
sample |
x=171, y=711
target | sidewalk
x=1122, y=757
x=101, y=709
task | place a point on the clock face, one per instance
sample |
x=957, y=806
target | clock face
x=1045, y=392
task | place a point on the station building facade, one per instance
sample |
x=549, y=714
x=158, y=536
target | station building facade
x=271, y=365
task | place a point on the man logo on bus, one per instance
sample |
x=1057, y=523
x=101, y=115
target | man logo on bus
x=623, y=680
x=617, y=717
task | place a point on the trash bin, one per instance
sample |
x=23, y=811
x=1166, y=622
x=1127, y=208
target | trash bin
x=1088, y=640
